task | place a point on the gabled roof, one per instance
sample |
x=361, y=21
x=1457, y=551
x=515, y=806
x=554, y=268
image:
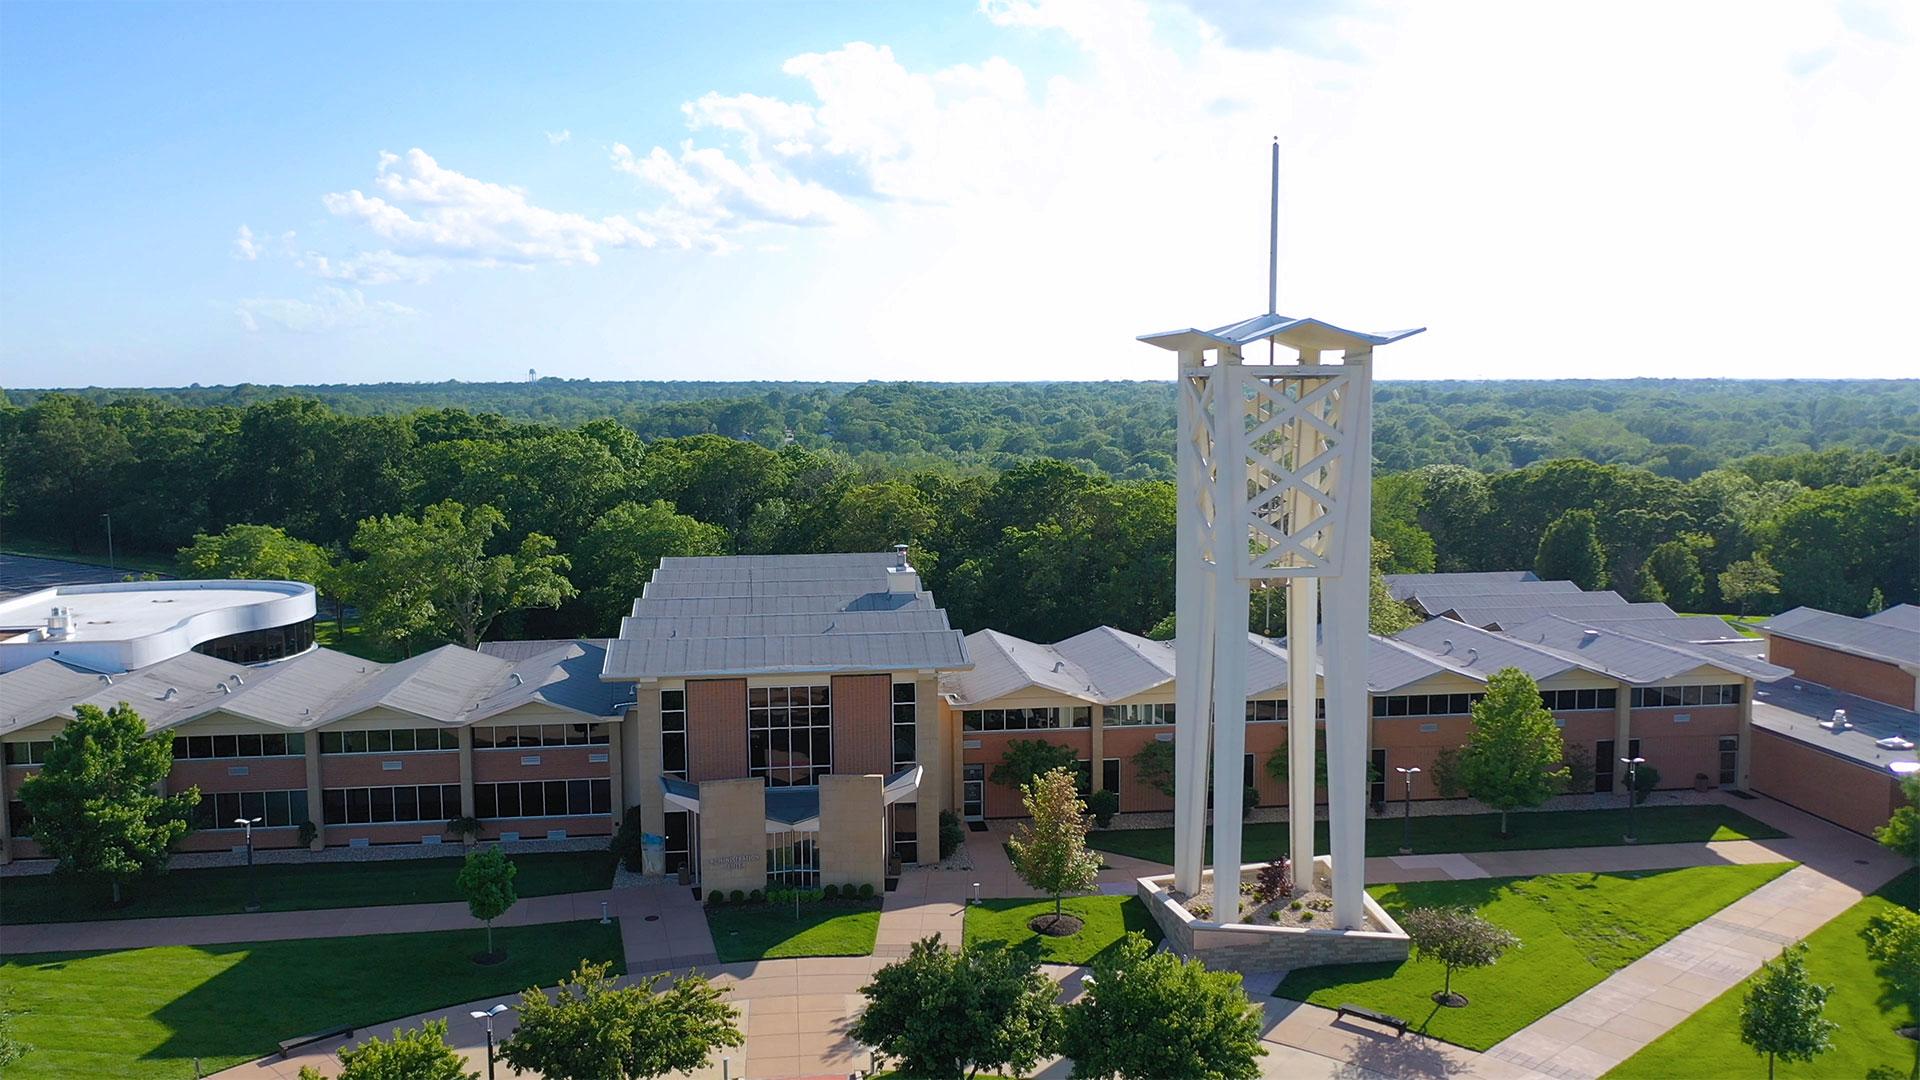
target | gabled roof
x=1899, y=616
x=1886, y=640
x=1298, y=333
x=1476, y=653
x=1635, y=659
x=566, y=676
x=1498, y=613
x=783, y=614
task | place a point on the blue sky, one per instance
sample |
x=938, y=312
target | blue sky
x=304, y=193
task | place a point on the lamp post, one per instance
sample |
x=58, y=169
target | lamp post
x=253, y=883
x=486, y=1016
x=1406, y=818
x=109, y=519
x=1633, y=790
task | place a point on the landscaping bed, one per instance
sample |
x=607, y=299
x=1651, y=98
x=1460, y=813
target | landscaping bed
x=1574, y=929
x=1308, y=908
x=149, y=1013
x=1451, y=833
x=1104, y=921
x=1707, y=1044
x=769, y=929
x=289, y=887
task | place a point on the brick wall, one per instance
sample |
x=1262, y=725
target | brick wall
x=1843, y=671
x=863, y=724
x=716, y=729
x=1839, y=789
x=555, y=763
x=370, y=770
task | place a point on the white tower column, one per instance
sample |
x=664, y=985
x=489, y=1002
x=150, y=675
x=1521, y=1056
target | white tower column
x=1303, y=603
x=1345, y=637
x=1193, y=650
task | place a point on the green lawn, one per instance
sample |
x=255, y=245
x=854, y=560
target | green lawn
x=1477, y=832
x=290, y=887
x=769, y=931
x=1575, y=930
x=148, y=1013
x=354, y=640
x=1707, y=1044
x=1107, y=919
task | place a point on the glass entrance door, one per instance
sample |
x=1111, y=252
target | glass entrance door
x=973, y=795
x=1729, y=760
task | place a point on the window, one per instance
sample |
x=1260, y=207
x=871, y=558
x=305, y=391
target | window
x=905, y=728
x=391, y=805
x=275, y=809
x=673, y=735
x=679, y=840
x=793, y=859
x=1579, y=700
x=789, y=734
x=1425, y=704
x=389, y=741
x=260, y=646
x=1669, y=697
x=19, y=818
x=1039, y=719
x=1729, y=760
x=530, y=736
x=541, y=798
x=1138, y=715
x=1083, y=777
x=1377, y=783
x=30, y=753
x=1110, y=775
x=906, y=831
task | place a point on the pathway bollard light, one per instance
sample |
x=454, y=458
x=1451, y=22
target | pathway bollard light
x=253, y=885
x=976, y=892
x=486, y=1016
x=1406, y=819
x=1633, y=791
x=604, y=917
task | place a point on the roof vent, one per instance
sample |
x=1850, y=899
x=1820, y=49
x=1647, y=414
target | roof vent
x=900, y=556
x=59, y=623
x=224, y=688
x=1059, y=665
x=170, y=694
x=1446, y=645
x=108, y=679
x=1472, y=655
x=237, y=680
x=1839, y=722
x=1589, y=634
x=515, y=676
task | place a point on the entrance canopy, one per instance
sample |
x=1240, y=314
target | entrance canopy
x=792, y=809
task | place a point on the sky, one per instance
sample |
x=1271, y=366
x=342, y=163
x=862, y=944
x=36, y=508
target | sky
x=1001, y=189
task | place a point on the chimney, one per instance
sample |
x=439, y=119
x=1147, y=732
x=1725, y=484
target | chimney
x=901, y=576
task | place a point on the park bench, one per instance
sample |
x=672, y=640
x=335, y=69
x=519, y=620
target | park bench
x=287, y=1046
x=1383, y=1019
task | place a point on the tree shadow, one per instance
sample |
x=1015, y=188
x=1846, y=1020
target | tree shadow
x=1411, y=1056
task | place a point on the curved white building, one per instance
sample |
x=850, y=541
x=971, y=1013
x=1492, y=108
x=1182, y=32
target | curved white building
x=124, y=626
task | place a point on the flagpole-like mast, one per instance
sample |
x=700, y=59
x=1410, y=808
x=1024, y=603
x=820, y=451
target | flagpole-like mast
x=1273, y=240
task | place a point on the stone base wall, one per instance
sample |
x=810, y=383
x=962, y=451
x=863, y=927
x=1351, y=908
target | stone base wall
x=1245, y=947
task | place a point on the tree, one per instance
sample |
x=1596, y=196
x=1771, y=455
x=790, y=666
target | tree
x=945, y=1015
x=1026, y=760
x=1385, y=615
x=1050, y=851
x=258, y=552
x=595, y=1029
x=1148, y=1014
x=1457, y=937
x=1280, y=768
x=624, y=545
x=1675, y=569
x=11, y=1048
x=486, y=881
x=1747, y=580
x=434, y=575
x=1902, y=830
x=418, y=1053
x=1893, y=942
x=94, y=804
x=1783, y=1014
x=1514, y=757
x=1153, y=766
x=1570, y=551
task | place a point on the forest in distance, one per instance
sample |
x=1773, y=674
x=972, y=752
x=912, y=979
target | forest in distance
x=1016, y=519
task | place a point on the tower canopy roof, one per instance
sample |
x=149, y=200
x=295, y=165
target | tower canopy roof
x=1296, y=333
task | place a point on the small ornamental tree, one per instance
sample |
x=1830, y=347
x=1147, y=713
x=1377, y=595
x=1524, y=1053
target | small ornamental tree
x=1274, y=882
x=486, y=880
x=1153, y=766
x=1026, y=759
x=1570, y=551
x=93, y=802
x=1050, y=852
x=594, y=1029
x=418, y=1053
x=1514, y=756
x=1148, y=1014
x=1457, y=937
x=1784, y=1013
x=1280, y=767
x=945, y=1015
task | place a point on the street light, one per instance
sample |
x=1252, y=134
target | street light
x=1406, y=819
x=486, y=1016
x=1633, y=790
x=253, y=883
x=109, y=518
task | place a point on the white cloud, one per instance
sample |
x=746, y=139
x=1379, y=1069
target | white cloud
x=248, y=248
x=555, y=138
x=422, y=210
x=330, y=309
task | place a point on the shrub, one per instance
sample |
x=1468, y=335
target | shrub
x=1320, y=903
x=952, y=833
x=831, y=892
x=756, y=896
x=1274, y=882
x=628, y=843
x=716, y=898
x=736, y=896
x=1249, y=801
x=1446, y=773
x=1103, y=805
x=1645, y=779
x=866, y=891
x=308, y=831
x=465, y=826
x=1306, y=916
